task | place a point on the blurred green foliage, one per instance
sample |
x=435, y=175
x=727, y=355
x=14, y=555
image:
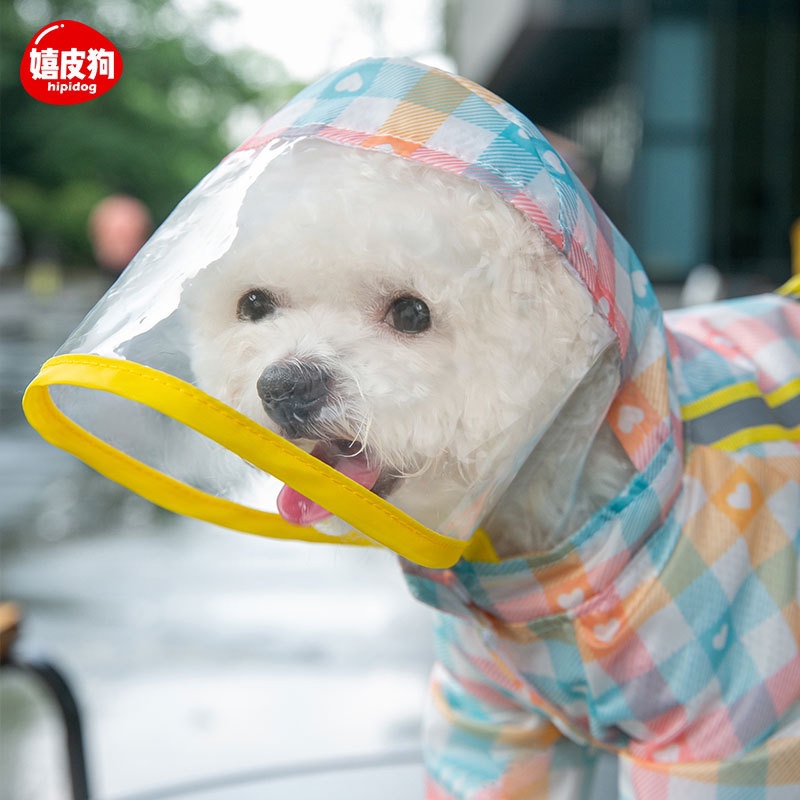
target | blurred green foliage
x=154, y=135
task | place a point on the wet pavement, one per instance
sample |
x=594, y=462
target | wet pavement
x=201, y=657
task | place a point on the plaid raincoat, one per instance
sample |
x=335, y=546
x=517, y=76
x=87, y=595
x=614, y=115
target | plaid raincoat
x=667, y=628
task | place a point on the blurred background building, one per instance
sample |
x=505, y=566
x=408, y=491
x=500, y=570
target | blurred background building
x=688, y=110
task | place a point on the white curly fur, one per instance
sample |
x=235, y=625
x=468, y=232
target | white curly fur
x=336, y=234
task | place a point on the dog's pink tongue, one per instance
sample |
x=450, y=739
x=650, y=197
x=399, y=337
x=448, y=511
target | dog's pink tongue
x=299, y=510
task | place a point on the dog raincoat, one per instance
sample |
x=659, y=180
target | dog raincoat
x=666, y=628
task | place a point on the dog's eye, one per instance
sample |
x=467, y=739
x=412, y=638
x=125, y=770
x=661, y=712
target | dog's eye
x=255, y=304
x=409, y=315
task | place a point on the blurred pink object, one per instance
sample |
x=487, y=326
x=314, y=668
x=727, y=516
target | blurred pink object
x=118, y=226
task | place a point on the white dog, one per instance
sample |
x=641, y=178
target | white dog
x=406, y=347
x=415, y=318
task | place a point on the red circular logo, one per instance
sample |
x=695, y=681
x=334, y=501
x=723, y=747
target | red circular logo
x=67, y=62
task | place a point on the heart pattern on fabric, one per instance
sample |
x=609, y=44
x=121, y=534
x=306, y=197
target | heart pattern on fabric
x=350, y=83
x=718, y=642
x=571, y=599
x=606, y=631
x=554, y=161
x=629, y=417
x=669, y=754
x=639, y=280
x=741, y=497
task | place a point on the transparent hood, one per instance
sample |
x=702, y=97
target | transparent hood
x=327, y=343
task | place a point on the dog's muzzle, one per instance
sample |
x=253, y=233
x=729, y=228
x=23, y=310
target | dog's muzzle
x=293, y=394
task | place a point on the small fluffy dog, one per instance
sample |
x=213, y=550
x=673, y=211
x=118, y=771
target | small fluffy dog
x=406, y=348
x=459, y=305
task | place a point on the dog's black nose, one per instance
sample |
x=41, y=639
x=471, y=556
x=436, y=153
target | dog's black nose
x=293, y=394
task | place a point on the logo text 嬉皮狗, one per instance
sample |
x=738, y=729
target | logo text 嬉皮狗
x=68, y=62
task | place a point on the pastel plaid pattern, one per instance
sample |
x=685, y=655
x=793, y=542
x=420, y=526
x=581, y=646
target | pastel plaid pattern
x=667, y=629
x=679, y=651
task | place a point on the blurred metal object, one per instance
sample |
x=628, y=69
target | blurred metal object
x=59, y=689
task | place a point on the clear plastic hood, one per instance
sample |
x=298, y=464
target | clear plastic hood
x=311, y=347
x=363, y=325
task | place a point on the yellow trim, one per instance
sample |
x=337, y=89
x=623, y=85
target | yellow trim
x=756, y=434
x=480, y=548
x=722, y=397
x=786, y=392
x=740, y=391
x=794, y=242
x=792, y=286
x=188, y=405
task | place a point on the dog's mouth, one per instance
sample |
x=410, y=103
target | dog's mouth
x=349, y=458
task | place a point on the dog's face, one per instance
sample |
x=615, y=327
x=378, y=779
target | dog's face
x=404, y=325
